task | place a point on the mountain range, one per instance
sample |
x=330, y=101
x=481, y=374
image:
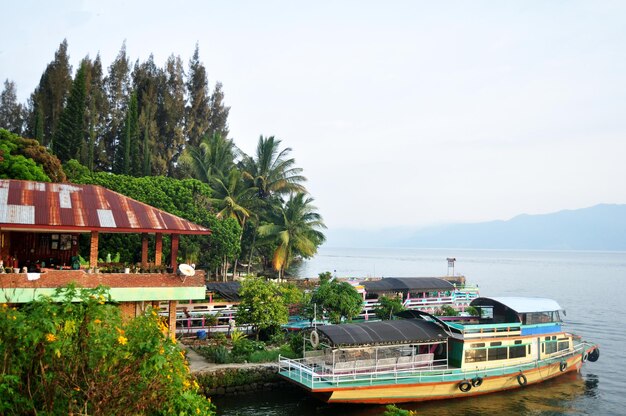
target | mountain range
x=601, y=227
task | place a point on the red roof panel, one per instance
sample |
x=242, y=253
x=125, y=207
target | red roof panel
x=87, y=207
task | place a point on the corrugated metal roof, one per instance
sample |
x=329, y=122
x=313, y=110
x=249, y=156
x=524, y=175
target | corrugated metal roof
x=404, y=284
x=521, y=304
x=383, y=332
x=69, y=207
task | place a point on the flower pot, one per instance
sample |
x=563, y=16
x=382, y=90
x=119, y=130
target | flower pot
x=127, y=270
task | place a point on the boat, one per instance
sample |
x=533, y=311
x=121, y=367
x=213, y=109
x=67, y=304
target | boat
x=514, y=342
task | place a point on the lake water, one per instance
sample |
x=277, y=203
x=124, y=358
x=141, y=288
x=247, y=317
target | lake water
x=590, y=286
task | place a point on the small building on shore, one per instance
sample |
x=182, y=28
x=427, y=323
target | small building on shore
x=40, y=224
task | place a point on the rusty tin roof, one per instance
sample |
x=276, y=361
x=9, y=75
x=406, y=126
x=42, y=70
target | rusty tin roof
x=38, y=206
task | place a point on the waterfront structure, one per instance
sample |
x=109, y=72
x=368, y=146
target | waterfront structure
x=40, y=224
x=515, y=342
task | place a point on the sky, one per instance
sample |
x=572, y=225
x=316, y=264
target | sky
x=401, y=113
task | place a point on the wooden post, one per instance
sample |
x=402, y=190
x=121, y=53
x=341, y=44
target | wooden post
x=172, y=318
x=158, y=249
x=174, y=252
x=93, y=252
x=144, y=250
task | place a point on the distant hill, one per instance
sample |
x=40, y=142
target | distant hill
x=601, y=227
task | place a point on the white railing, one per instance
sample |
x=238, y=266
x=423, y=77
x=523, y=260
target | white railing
x=313, y=373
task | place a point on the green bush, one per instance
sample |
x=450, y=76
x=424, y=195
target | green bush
x=244, y=347
x=72, y=353
x=270, y=356
x=296, y=343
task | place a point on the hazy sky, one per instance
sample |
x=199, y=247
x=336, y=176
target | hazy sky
x=400, y=112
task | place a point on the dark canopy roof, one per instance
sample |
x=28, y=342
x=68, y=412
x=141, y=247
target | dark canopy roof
x=227, y=290
x=383, y=332
x=407, y=284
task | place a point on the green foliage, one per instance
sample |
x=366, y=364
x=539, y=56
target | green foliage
x=472, y=311
x=296, y=343
x=325, y=277
x=388, y=306
x=338, y=300
x=393, y=410
x=69, y=136
x=73, y=353
x=26, y=159
x=447, y=310
x=244, y=347
x=262, y=304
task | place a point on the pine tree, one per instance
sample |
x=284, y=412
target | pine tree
x=198, y=110
x=49, y=97
x=68, y=139
x=11, y=113
x=146, y=80
x=127, y=150
x=96, y=112
x=117, y=87
x=218, y=115
x=170, y=117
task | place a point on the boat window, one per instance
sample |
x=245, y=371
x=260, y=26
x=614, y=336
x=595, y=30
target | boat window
x=563, y=345
x=519, y=341
x=474, y=356
x=550, y=347
x=478, y=345
x=518, y=351
x=497, y=353
x=496, y=344
x=486, y=312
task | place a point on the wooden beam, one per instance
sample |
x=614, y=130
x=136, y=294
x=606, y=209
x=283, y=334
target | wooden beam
x=158, y=249
x=93, y=251
x=174, y=252
x=144, y=250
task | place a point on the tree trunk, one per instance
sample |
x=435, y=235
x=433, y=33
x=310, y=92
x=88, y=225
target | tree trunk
x=251, y=250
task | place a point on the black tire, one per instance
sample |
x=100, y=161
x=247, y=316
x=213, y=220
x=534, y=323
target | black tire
x=563, y=366
x=477, y=381
x=522, y=380
x=465, y=386
x=594, y=355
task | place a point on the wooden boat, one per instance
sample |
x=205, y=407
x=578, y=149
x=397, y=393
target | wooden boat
x=514, y=343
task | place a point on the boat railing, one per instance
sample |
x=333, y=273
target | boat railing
x=314, y=372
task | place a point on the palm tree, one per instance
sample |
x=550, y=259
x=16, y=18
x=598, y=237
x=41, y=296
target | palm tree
x=296, y=230
x=234, y=199
x=271, y=171
x=213, y=158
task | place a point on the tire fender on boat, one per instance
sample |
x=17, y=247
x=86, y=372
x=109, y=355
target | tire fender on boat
x=594, y=355
x=563, y=366
x=522, y=380
x=585, y=356
x=465, y=386
x=315, y=339
x=477, y=381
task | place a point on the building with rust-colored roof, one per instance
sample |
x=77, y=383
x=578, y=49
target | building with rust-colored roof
x=39, y=228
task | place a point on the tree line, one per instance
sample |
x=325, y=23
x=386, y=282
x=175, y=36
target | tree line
x=140, y=121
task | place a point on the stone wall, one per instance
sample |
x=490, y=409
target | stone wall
x=238, y=380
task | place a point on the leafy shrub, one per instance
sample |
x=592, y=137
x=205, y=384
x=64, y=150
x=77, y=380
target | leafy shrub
x=393, y=410
x=244, y=347
x=63, y=356
x=447, y=310
x=296, y=343
x=269, y=356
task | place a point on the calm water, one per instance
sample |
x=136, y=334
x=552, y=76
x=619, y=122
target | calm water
x=590, y=286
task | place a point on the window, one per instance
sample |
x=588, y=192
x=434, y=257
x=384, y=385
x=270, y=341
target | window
x=478, y=345
x=474, y=356
x=496, y=344
x=563, y=345
x=497, y=353
x=517, y=351
x=550, y=347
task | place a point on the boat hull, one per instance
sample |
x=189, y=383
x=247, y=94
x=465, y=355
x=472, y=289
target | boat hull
x=415, y=392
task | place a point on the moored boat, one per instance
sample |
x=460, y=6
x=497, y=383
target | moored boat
x=514, y=342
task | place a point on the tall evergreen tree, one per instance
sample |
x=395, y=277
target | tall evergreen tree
x=96, y=112
x=146, y=79
x=117, y=87
x=11, y=113
x=218, y=113
x=170, y=117
x=127, y=149
x=50, y=95
x=198, y=110
x=68, y=139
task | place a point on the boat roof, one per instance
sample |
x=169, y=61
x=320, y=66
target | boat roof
x=227, y=290
x=383, y=332
x=399, y=284
x=520, y=304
